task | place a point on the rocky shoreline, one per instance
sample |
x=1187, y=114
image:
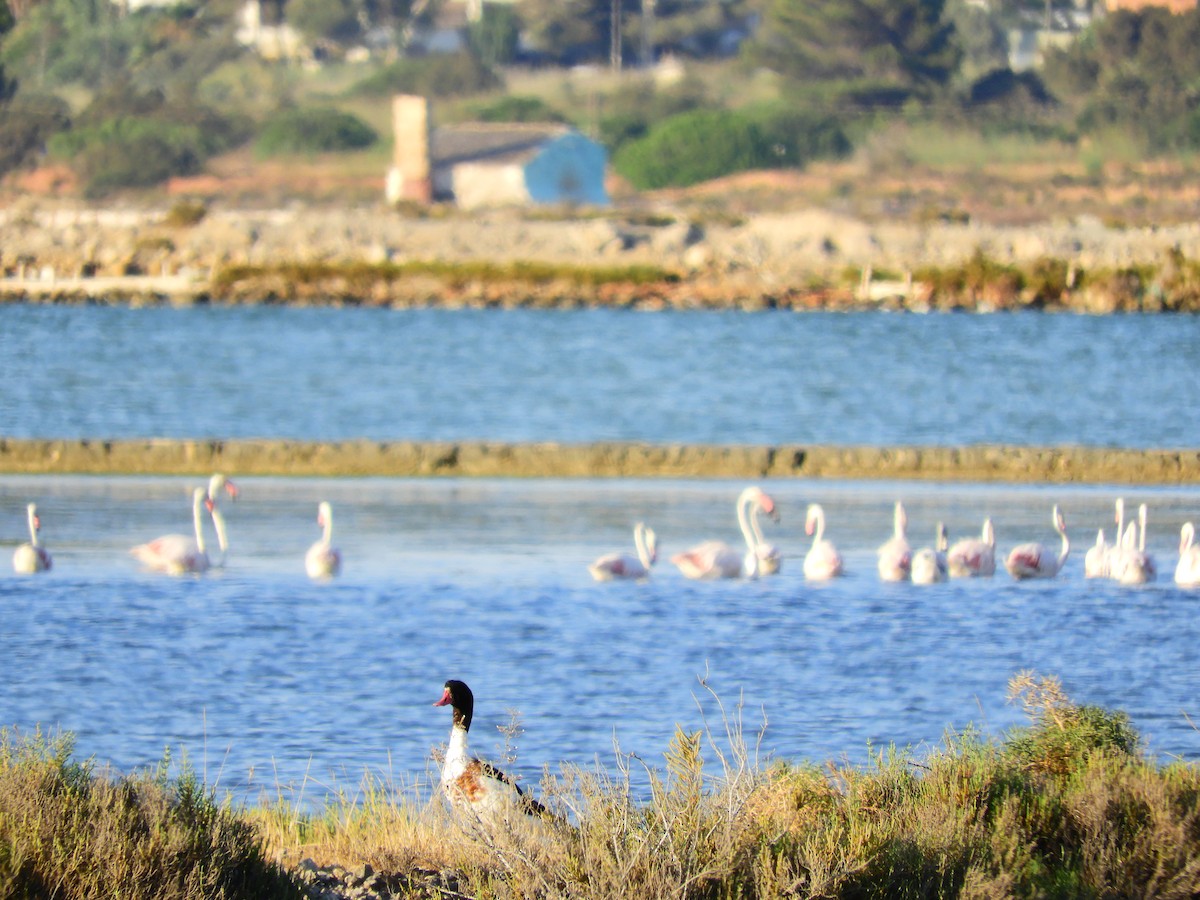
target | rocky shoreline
x=809, y=259
x=416, y=459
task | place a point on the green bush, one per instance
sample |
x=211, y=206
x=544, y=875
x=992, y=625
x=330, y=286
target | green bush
x=130, y=152
x=26, y=124
x=511, y=108
x=698, y=146
x=309, y=130
x=67, y=833
x=443, y=75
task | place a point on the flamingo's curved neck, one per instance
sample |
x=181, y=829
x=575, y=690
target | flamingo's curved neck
x=327, y=522
x=218, y=520
x=900, y=522
x=1066, y=543
x=641, y=542
x=818, y=525
x=1142, y=528
x=197, y=517
x=33, y=525
x=1187, y=534
x=989, y=533
x=747, y=522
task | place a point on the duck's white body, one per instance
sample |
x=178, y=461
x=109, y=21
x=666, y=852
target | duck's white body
x=179, y=554
x=823, y=561
x=469, y=784
x=31, y=557
x=895, y=556
x=1034, y=560
x=1187, y=570
x=323, y=560
x=929, y=564
x=974, y=557
x=624, y=565
x=716, y=559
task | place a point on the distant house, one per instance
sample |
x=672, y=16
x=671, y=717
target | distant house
x=480, y=165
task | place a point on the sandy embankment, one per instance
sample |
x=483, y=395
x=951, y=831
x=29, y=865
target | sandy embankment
x=604, y=460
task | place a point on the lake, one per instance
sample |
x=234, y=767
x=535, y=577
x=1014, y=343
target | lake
x=266, y=681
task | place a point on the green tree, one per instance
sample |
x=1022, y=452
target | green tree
x=1136, y=71
x=333, y=19
x=906, y=43
x=494, y=36
x=573, y=31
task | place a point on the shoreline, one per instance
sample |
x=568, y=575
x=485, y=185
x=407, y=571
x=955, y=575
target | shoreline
x=492, y=459
x=806, y=259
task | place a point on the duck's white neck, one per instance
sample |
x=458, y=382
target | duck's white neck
x=456, y=754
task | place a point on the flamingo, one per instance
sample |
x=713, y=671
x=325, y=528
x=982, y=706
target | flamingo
x=469, y=783
x=716, y=559
x=895, y=556
x=1097, y=561
x=764, y=557
x=929, y=564
x=323, y=560
x=974, y=557
x=178, y=554
x=1034, y=560
x=31, y=557
x=1131, y=564
x=216, y=484
x=823, y=561
x=624, y=565
x=1187, y=570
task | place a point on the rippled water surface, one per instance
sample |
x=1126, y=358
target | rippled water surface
x=700, y=377
x=268, y=681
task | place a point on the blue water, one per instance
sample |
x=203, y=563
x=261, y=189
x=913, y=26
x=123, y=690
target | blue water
x=268, y=682
x=689, y=377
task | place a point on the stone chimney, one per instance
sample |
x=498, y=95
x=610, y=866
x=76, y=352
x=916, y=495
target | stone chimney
x=411, y=174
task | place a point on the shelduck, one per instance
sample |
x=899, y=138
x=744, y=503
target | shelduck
x=469, y=783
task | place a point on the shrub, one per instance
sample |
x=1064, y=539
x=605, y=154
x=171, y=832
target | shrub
x=68, y=833
x=516, y=109
x=26, y=124
x=706, y=144
x=443, y=75
x=307, y=130
x=130, y=152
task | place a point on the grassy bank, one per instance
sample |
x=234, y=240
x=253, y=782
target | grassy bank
x=1067, y=806
x=484, y=459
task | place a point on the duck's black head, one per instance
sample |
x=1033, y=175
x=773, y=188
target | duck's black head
x=456, y=694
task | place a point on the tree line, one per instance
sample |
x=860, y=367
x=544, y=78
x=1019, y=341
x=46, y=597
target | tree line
x=130, y=98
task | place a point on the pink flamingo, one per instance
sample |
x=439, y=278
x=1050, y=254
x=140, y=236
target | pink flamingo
x=31, y=557
x=1187, y=570
x=1098, y=560
x=716, y=559
x=625, y=565
x=823, y=561
x=895, y=556
x=974, y=557
x=323, y=560
x=179, y=554
x=1034, y=560
x=1130, y=563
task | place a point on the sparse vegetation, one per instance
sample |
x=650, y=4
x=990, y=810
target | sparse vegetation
x=1069, y=805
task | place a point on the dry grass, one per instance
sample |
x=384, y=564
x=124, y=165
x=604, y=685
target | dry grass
x=1069, y=806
